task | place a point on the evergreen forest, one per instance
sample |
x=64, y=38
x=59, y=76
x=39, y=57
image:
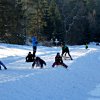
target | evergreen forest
x=70, y=21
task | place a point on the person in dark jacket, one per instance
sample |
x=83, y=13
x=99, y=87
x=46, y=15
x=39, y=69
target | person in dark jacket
x=65, y=50
x=59, y=61
x=38, y=62
x=86, y=46
x=30, y=57
x=2, y=64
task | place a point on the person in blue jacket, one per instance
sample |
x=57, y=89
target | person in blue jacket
x=34, y=44
x=1, y=64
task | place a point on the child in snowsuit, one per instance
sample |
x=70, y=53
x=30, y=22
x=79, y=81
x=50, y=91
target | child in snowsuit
x=30, y=57
x=59, y=61
x=65, y=50
x=1, y=63
x=38, y=62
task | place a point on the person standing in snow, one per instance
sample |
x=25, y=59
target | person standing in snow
x=65, y=50
x=59, y=61
x=34, y=44
x=86, y=46
x=1, y=64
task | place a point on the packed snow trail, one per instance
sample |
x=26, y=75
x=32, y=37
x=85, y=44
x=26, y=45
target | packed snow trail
x=78, y=82
x=18, y=68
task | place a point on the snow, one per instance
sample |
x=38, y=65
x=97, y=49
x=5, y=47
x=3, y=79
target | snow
x=81, y=81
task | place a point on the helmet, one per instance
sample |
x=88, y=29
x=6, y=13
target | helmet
x=58, y=53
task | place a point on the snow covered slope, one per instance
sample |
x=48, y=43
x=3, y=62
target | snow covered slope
x=81, y=81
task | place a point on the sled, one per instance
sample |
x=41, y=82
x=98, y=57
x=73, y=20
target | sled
x=66, y=58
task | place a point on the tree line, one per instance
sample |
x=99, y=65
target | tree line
x=70, y=21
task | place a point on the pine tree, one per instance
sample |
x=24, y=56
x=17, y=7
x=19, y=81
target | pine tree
x=11, y=28
x=35, y=20
x=56, y=20
x=7, y=17
x=47, y=28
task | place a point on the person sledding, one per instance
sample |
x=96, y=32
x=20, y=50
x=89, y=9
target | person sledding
x=2, y=64
x=59, y=61
x=30, y=57
x=38, y=62
x=65, y=50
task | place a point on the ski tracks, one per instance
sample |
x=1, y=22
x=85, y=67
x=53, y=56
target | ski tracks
x=24, y=71
x=14, y=74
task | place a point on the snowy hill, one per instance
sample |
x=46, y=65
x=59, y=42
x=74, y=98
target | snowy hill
x=81, y=81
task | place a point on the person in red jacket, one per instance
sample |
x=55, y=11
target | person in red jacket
x=59, y=61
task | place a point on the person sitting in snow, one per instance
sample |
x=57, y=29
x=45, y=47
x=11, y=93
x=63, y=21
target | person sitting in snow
x=65, y=50
x=59, y=61
x=38, y=62
x=30, y=57
x=2, y=64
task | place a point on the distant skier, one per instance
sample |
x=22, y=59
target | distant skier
x=30, y=57
x=34, y=43
x=59, y=61
x=38, y=62
x=65, y=50
x=2, y=64
x=86, y=46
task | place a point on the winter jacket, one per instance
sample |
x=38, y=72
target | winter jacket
x=39, y=62
x=30, y=58
x=65, y=49
x=34, y=41
x=58, y=59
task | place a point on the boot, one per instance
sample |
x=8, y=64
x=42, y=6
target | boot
x=5, y=68
x=0, y=67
